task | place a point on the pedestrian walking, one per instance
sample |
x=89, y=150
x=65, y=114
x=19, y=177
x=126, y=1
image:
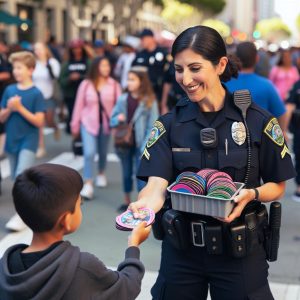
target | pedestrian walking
x=284, y=74
x=137, y=107
x=94, y=103
x=200, y=251
x=22, y=112
x=47, y=70
x=72, y=73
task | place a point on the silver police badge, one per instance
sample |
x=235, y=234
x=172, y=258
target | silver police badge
x=238, y=132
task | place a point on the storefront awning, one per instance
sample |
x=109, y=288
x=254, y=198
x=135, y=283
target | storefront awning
x=9, y=19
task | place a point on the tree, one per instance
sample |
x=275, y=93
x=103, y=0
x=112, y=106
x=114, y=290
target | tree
x=218, y=25
x=212, y=7
x=298, y=22
x=273, y=30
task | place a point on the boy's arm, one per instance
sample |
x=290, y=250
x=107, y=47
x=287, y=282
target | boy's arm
x=4, y=114
x=36, y=119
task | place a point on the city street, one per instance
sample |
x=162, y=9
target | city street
x=98, y=235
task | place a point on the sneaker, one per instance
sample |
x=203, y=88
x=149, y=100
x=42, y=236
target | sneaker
x=15, y=224
x=41, y=152
x=87, y=191
x=101, y=181
x=296, y=197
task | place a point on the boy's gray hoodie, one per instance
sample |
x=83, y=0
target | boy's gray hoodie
x=68, y=274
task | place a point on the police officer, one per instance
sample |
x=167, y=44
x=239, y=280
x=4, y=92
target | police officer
x=154, y=58
x=248, y=145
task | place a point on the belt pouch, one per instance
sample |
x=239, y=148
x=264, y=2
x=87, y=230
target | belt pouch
x=157, y=227
x=238, y=240
x=176, y=229
x=213, y=239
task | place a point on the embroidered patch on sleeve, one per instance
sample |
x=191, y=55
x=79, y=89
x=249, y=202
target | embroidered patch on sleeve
x=274, y=132
x=285, y=151
x=146, y=154
x=157, y=131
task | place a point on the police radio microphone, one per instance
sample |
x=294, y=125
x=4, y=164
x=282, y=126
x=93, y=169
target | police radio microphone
x=242, y=100
x=274, y=225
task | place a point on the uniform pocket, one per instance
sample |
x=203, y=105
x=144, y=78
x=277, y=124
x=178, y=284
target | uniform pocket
x=158, y=290
x=187, y=160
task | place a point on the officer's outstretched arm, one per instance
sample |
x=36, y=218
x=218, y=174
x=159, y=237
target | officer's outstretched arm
x=268, y=192
x=151, y=196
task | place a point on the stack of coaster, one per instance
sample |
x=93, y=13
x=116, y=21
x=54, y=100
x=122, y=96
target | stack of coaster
x=190, y=183
x=126, y=221
x=220, y=185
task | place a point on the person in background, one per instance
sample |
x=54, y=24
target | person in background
x=284, y=74
x=95, y=100
x=129, y=44
x=47, y=198
x=138, y=106
x=72, y=73
x=262, y=90
x=154, y=58
x=5, y=79
x=263, y=66
x=47, y=70
x=22, y=111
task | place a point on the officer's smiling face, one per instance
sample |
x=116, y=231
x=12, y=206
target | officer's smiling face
x=197, y=76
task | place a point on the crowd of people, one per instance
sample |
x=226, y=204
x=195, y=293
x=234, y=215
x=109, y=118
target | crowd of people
x=135, y=84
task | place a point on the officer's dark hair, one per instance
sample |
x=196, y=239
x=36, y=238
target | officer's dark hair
x=42, y=193
x=247, y=54
x=209, y=44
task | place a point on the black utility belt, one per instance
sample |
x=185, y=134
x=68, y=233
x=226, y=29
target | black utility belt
x=237, y=239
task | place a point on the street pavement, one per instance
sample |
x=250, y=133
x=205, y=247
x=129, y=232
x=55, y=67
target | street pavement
x=98, y=235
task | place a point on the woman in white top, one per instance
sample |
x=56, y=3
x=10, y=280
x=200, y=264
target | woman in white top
x=47, y=69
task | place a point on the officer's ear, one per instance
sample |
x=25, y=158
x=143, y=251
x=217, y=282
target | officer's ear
x=222, y=65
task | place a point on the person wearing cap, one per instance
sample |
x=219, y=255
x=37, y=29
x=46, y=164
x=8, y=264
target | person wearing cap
x=154, y=58
x=72, y=73
x=212, y=128
x=99, y=48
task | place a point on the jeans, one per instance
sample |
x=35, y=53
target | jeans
x=130, y=160
x=92, y=145
x=20, y=161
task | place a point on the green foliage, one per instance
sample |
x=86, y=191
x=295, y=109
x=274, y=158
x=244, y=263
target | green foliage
x=218, y=25
x=273, y=29
x=214, y=6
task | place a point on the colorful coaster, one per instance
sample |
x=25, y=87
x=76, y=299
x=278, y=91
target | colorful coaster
x=126, y=221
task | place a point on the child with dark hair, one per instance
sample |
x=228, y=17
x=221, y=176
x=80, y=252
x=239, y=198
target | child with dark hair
x=47, y=198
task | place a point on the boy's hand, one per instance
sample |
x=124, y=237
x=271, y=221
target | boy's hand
x=139, y=234
x=14, y=103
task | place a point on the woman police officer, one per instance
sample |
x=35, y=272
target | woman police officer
x=175, y=146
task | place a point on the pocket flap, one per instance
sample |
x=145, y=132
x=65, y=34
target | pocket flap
x=235, y=158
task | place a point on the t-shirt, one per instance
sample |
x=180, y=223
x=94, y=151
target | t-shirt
x=20, y=133
x=262, y=91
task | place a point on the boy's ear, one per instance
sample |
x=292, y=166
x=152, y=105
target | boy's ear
x=64, y=221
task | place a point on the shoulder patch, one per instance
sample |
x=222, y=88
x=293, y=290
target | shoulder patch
x=156, y=132
x=274, y=132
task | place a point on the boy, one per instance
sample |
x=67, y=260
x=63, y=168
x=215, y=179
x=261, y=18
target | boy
x=47, y=197
x=22, y=109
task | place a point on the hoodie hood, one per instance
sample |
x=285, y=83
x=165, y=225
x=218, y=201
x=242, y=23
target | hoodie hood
x=49, y=278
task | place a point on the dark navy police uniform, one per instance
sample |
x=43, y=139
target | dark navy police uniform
x=156, y=62
x=185, y=274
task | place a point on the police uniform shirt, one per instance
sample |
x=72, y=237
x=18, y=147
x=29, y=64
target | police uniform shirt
x=155, y=61
x=174, y=145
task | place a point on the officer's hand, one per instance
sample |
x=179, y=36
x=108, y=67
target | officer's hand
x=135, y=206
x=242, y=199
